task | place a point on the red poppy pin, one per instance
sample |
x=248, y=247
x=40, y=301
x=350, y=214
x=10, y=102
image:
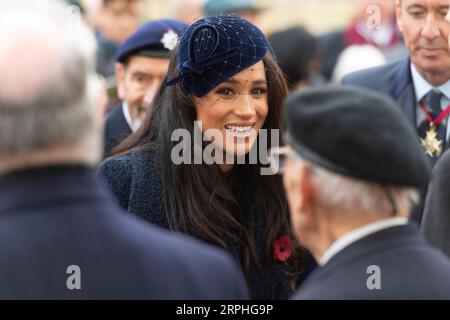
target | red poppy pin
x=282, y=249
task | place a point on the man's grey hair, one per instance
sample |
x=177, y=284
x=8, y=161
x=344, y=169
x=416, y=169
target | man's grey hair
x=48, y=85
x=360, y=197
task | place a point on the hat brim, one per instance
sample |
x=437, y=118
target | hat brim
x=159, y=54
x=162, y=54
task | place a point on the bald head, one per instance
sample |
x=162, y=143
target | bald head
x=47, y=67
x=35, y=43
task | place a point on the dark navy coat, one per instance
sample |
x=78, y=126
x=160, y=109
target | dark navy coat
x=408, y=269
x=57, y=217
x=436, y=218
x=136, y=183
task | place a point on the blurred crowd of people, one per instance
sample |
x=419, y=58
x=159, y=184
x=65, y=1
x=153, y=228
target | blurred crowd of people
x=103, y=122
x=371, y=39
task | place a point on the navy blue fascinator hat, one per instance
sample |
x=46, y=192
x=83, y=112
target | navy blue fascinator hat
x=214, y=49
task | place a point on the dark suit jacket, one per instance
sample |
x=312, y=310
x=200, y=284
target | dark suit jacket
x=409, y=269
x=436, y=218
x=116, y=129
x=56, y=217
x=394, y=80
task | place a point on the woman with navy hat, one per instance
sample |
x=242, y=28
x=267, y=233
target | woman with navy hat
x=222, y=78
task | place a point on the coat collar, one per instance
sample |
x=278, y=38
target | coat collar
x=373, y=243
x=403, y=89
x=43, y=186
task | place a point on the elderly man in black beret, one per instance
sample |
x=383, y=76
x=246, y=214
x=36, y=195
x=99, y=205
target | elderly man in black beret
x=142, y=63
x=351, y=169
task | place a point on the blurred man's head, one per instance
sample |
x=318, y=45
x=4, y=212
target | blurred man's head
x=351, y=159
x=246, y=9
x=426, y=32
x=48, y=88
x=187, y=11
x=119, y=18
x=143, y=61
x=386, y=8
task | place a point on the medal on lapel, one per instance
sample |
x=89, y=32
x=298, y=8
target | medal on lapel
x=431, y=143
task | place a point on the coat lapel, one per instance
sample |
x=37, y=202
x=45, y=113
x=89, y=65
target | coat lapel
x=403, y=90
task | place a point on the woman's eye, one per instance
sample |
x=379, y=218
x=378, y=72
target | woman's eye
x=259, y=91
x=226, y=92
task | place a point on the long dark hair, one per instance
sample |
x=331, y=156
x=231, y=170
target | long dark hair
x=203, y=201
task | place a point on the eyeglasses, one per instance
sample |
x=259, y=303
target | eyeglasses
x=279, y=157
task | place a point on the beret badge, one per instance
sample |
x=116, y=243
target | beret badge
x=170, y=40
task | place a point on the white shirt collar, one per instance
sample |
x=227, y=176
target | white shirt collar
x=126, y=113
x=357, y=234
x=422, y=87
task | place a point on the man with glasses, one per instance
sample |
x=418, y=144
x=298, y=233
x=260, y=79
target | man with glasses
x=350, y=193
x=142, y=63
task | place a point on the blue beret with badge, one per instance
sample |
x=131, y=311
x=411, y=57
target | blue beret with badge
x=153, y=39
x=214, y=49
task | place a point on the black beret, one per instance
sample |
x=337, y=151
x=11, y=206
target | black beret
x=358, y=133
x=214, y=49
x=154, y=39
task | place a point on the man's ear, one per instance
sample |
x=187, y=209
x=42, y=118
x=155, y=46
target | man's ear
x=306, y=189
x=120, y=80
x=398, y=13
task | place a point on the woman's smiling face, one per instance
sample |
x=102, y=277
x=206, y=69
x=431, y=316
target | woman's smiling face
x=237, y=108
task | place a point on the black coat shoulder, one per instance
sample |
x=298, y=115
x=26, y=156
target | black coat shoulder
x=116, y=173
x=406, y=268
x=436, y=218
x=135, y=181
x=67, y=219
